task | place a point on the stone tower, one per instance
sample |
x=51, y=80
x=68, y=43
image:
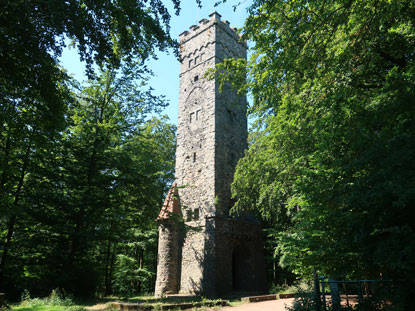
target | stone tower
x=212, y=254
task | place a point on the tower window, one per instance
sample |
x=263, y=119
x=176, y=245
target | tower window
x=196, y=214
x=190, y=63
x=188, y=215
x=197, y=115
x=196, y=60
x=196, y=78
x=194, y=156
x=192, y=116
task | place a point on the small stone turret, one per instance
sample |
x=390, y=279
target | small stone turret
x=168, y=263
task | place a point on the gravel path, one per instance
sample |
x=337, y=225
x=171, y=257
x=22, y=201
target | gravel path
x=270, y=305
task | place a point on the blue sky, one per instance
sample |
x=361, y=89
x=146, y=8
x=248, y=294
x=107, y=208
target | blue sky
x=166, y=67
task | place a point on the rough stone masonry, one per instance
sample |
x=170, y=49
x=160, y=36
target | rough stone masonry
x=210, y=253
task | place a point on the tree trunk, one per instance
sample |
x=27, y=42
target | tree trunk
x=13, y=216
x=5, y=164
x=141, y=258
x=112, y=263
x=107, y=270
x=79, y=218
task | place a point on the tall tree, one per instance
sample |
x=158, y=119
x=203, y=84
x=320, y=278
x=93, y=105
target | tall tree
x=34, y=90
x=333, y=88
x=94, y=190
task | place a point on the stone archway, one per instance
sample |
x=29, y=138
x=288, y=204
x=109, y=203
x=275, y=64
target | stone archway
x=241, y=269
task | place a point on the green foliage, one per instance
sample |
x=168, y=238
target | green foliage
x=55, y=301
x=303, y=302
x=330, y=163
x=81, y=167
x=93, y=192
x=104, y=33
x=131, y=276
x=128, y=276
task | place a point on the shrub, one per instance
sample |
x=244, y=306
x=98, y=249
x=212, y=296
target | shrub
x=56, y=298
x=304, y=301
x=129, y=279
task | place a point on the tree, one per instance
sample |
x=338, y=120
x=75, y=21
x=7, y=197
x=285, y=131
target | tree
x=25, y=129
x=35, y=91
x=94, y=191
x=333, y=88
x=34, y=33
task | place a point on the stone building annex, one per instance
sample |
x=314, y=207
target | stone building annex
x=210, y=254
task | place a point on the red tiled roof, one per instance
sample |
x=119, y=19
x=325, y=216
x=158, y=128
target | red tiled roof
x=171, y=204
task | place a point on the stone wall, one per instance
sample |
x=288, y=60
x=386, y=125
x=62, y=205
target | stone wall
x=195, y=153
x=230, y=122
x=168, y=260
x=212, y=130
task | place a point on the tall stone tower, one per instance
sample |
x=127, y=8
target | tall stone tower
x=211, y=254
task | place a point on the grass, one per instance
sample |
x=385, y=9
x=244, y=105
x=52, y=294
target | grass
x=47, y=308
x=198, y=303
x=58, y=302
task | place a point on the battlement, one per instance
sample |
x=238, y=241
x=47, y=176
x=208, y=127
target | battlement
x=214, y=18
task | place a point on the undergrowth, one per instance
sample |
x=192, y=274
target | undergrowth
x=56, y=301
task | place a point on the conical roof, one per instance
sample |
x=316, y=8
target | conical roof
x=171, y=204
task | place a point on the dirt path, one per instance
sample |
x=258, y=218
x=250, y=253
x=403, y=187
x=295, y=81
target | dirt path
x=271, y=305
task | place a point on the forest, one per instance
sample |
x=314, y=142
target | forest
x=84, y=167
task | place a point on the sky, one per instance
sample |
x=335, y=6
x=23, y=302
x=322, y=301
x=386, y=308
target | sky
x=166, y=67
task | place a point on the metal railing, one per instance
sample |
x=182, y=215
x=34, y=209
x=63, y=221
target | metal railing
x=354, y=292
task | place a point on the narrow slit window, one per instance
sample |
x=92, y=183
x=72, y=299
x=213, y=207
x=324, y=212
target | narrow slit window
x=196, y=214
x=192, y=116
x=188, y=215
x=197, y=115
x=190, y=63
x=194, y=156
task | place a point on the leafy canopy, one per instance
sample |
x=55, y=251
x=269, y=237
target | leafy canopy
x=331, y=157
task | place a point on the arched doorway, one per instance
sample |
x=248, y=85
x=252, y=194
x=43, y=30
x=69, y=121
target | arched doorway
x=241, y=269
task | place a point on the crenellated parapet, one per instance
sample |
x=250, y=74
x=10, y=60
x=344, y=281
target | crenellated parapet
x=213, y=26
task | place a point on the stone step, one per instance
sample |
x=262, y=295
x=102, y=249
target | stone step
x=267, y=297
x=285, y=296
x=259, y=298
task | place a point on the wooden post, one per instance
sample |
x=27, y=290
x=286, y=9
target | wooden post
x=347, y=296
x=360, y=294
x=335, y=296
